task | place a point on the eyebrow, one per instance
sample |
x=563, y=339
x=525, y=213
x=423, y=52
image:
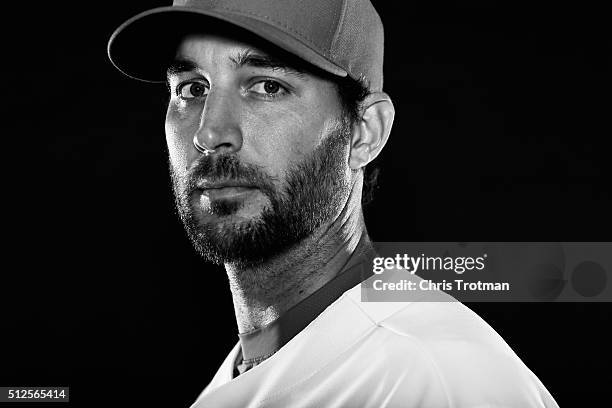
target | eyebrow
x=247, y=58
x=180, y=65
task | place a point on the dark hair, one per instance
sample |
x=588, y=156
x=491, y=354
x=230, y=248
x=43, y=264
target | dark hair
x=352, y=94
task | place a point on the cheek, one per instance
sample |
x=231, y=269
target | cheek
x=180, y=149
x=280, y=139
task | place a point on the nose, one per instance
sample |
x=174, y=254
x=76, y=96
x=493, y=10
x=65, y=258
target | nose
x=219, y=129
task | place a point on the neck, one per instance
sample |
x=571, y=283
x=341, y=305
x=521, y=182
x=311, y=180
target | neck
x=264, y=293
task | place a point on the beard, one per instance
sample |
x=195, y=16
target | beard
x=313, y=193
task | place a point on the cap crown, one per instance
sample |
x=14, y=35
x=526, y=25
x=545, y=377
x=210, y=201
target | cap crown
x=347, y=32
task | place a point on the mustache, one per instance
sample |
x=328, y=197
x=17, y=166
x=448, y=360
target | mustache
x=226, y=168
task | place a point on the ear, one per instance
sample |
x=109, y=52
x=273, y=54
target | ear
x=371, y=132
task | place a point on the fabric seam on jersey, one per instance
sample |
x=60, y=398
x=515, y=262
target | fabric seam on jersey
x=284, y=391
x=416, y=341
x=368, y=315
x=425, y=350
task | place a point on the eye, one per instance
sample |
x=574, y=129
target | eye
x=269, y=88
x=191, y=90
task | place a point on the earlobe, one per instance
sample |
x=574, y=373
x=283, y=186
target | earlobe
x=372, y=130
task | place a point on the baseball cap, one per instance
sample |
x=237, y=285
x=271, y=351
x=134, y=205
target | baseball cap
x=342, y=37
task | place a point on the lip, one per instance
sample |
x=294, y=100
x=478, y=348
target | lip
x=209, y=185
x=217, y=191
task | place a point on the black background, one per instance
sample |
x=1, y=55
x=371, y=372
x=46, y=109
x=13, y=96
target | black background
x=501, y=134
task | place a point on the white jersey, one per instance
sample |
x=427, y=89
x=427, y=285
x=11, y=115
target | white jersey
x=366, y=354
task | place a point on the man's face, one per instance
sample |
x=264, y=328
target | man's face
x=281, y=141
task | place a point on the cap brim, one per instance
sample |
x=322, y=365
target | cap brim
x=142, y=47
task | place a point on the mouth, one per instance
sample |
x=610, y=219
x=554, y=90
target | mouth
x=227, y=190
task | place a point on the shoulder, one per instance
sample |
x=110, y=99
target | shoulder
x=470, y=362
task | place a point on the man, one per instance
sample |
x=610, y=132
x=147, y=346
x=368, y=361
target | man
x=276, y=108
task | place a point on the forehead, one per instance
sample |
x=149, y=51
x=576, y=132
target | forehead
x=211, y=47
